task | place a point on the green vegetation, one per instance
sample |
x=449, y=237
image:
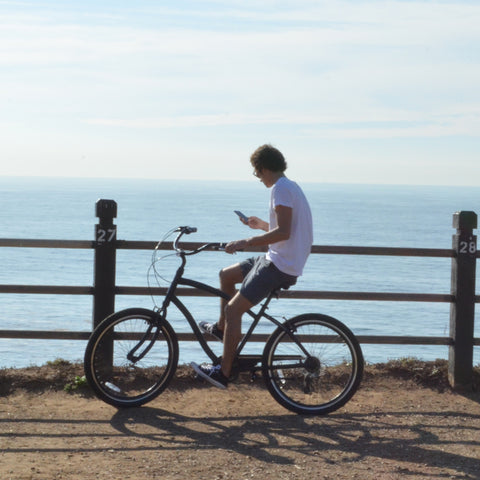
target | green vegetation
x=78, y=383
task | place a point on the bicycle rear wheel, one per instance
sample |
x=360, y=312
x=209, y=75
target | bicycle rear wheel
x=131, y=357
x=321, y=372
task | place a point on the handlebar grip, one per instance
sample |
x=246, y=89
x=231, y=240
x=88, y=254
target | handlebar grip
x=186, y=230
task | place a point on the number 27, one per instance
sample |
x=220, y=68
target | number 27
x=106, y=235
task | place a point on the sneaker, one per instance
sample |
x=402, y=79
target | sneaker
x=212, y=329
x=211, y=373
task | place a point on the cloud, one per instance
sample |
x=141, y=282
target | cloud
x=377, y=125
x=343, y=70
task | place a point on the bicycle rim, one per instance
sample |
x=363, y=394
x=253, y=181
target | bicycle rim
x=318, y=377
x=123, y=382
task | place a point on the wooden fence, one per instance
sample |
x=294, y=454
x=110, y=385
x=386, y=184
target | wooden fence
x=462, y=298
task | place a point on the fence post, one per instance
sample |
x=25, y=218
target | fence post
x=104, y=262
x=462, y=310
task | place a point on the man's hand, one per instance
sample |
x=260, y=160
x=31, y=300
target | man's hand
x=257, y=223
x=235, y=246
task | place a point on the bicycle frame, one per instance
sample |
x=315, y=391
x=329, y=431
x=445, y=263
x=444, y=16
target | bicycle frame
x=171, y=297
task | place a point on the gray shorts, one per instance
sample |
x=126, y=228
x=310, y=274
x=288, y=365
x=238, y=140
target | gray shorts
x=260, y=277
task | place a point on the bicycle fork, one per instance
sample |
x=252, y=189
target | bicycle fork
x=147, y=336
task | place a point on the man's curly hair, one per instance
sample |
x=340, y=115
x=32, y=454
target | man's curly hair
x=268, y=157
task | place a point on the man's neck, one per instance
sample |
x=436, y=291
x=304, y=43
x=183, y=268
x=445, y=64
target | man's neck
x=272, y=178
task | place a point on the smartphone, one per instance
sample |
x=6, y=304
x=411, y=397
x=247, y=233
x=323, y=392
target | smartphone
x=242, y=216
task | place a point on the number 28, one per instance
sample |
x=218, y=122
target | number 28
x=468, y=247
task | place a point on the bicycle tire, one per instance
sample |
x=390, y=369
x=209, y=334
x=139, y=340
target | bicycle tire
x=320, y=382
x=122, y=382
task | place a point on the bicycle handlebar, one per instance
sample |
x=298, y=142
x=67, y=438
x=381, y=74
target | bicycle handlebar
x=187, y=231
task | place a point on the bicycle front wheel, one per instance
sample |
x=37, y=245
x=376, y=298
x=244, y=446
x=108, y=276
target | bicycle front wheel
x=313, y=364
x=131, y=357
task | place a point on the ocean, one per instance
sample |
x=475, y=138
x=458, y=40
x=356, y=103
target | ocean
x=351, y=215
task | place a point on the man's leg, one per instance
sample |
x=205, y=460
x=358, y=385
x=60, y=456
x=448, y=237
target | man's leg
x=229, y=277
x=234, y=310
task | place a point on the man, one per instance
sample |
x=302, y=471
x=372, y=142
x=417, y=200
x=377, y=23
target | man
x=289, y=237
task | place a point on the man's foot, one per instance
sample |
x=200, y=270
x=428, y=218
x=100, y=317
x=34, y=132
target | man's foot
x=212, y=329
x=211, y=373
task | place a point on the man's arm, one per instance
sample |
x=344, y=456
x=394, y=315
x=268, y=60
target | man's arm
x=278, y=234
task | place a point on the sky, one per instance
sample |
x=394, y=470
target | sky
x=359, y=91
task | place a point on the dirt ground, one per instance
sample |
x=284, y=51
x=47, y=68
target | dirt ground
x=404, y=422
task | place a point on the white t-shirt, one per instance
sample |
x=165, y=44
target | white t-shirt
x=290, y=255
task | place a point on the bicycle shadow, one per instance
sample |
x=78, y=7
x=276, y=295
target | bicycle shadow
x=334, y=438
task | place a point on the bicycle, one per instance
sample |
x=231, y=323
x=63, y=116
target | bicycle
x=311, y=364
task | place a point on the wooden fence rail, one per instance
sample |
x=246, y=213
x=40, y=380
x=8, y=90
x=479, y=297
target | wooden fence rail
x=462, y=296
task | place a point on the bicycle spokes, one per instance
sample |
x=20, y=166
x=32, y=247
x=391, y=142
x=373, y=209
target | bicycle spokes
x=314, y=370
